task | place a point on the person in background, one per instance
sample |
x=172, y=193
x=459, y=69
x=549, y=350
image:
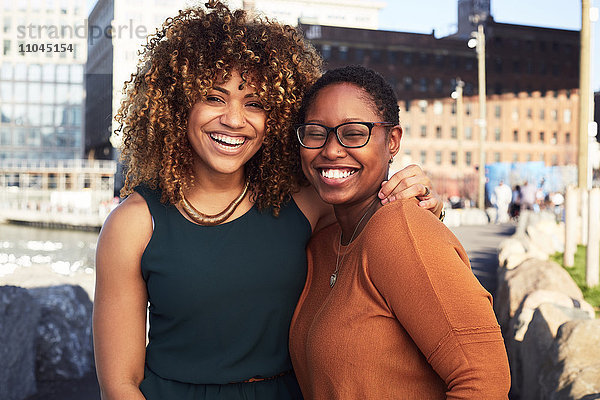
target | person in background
x=502, y=197
x=515, y=205
x=528, y=196
x=391, y=308
x=213, y=231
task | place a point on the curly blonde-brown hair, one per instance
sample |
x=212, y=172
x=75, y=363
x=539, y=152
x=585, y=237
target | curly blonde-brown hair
x=180, y=64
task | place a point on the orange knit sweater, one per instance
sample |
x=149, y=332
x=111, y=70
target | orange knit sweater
x=406, y=319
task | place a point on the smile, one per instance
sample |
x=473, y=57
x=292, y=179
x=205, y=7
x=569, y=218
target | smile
x=228, y=141
x=334, y=173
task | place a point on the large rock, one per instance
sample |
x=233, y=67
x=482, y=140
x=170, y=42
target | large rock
x=473, y=216
x=19, y=315
x=529, y=276
x=548, y=236
x=64, y=343
x=529, y=355
x=573, y=370
x=534, y=299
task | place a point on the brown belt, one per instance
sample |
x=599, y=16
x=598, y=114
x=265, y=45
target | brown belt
x=265, y=379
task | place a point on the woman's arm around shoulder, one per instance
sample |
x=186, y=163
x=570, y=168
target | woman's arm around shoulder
x=120, y=300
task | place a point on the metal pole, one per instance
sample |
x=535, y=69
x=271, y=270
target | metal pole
x=482, y=114
x=459, y=126
x=584, y=96
x=592, y=261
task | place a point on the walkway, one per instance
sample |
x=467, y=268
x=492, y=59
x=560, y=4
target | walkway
x=481, y=243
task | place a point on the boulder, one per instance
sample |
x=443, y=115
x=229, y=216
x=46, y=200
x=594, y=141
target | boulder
x=19, y=315
x=534, y=299
x=509, y=247
x=547, y=236
x=529, y=276
x=573, y=368
x=530, y=354
x=452, y=217
x=64, y=342
x=473, y=216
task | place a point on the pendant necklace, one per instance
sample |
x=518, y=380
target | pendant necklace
x=212, y=220
x=338, y=262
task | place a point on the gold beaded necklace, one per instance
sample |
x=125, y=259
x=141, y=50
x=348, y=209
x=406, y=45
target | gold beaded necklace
x=212, y=220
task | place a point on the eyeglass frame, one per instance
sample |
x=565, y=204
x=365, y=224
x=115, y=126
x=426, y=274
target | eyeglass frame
x=334, y=129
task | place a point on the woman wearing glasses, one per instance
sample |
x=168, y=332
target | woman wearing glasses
x=391, y=309
x=213, y=233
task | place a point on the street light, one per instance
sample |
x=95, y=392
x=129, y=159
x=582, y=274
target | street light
x=458, y=96
x=478, y=41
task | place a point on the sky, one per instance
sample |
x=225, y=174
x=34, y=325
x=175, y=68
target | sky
x=424, y=16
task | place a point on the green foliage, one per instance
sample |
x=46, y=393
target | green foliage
x=577, y=272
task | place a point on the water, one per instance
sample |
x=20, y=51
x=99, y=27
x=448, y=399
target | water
x=64, y=251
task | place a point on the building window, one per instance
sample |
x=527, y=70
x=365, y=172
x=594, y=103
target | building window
x=468, y=108
x=468, y=158
x=438, y=85
x=567, y=137
x=438, y=157
x=408, y=58
x=468, y=133
x=515, y=157
x=453, y=132
x=567, y=116
x=423, y=105
x=359, y=55
x=554, y=159
x=554, y=115
x=497, y=157
x=326, y=52
x=343, y=53
x=408, y=82
x=528, y=136
x=497, y=111
x=453, y=108
x=406, y=131
x=453, y=158
x=554, y=138
x=376, y=56
x=438, y=107
x=423, y=131
x=542, y=114
x=423, y=157
x=515, y=114
x=423, y=84
x=407, y=104
x=497, y=134
x=515, y=136
x=529, y=113
x=407, y=153
x=438, y=132
x=542, y=137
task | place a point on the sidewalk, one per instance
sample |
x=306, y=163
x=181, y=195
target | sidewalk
x=481, y=243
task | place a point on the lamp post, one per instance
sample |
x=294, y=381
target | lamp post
x=458, y=96
x=478, y=41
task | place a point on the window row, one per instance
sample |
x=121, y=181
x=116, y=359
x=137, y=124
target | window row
x=438, y=157
x=41, y=93
x=360, y=55
x=32, y=115
x=39, y=137
x=62, y=73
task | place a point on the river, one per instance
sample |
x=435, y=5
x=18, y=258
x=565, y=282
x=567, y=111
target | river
x=63, y=251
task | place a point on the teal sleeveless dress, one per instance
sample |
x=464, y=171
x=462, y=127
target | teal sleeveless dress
x=221, y=300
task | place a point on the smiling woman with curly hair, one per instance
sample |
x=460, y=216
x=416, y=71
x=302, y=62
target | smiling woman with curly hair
x=206, y=125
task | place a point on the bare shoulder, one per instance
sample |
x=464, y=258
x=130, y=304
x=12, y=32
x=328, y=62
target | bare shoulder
x=128, y=227
x=318, y=213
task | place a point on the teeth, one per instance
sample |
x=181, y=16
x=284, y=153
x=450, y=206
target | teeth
x=336, y=173
x=234, y=141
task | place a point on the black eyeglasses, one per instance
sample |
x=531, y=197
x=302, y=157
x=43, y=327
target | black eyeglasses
x=349, y=134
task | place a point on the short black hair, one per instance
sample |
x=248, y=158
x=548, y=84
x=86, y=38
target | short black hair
x=379, y=91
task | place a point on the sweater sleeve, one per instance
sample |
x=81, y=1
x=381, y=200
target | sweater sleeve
x=423, y=273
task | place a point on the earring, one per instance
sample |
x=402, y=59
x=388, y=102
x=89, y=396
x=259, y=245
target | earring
x=391, y=160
